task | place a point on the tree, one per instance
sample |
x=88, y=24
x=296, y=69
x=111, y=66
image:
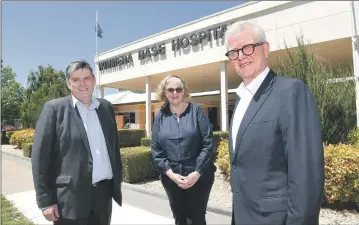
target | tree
x=11, y=96
x=43, y=85
x=336, y=101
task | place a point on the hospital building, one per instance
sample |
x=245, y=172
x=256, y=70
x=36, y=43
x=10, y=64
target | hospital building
x=195, y=51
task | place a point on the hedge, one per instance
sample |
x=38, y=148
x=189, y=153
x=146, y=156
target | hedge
x=131, y=137
x=26, y=150
x=127, y=137
x=137, y=164
x=341, y=173
x=146, y=142
x=353, y=137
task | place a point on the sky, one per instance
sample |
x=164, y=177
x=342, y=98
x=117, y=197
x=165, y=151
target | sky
x=56, y=33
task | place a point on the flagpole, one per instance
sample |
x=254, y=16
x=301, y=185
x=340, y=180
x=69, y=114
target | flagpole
x=96, y=30
x=97, y=71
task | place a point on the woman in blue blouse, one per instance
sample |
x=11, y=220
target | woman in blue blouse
x=182, y=152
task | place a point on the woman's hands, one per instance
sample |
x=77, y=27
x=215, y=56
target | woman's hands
x=193, y=178
x=182, y=181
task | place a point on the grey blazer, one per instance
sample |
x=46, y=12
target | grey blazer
x=277, y=163
x=62, y=161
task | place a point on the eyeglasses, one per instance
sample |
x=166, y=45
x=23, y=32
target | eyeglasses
x=247, y=50
x=178, y=90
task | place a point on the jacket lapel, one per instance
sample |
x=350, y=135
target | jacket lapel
x=105, y=126
x=258, y=99
x=80, y=125
x=230, y=139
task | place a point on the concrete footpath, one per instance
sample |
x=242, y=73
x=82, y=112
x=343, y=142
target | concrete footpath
x=25, y=202
x=139, y=207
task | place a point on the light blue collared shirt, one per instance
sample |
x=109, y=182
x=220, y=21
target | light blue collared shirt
x=101, y=162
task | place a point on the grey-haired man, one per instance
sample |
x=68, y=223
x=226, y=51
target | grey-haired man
x=275, y=141
x=76, y=160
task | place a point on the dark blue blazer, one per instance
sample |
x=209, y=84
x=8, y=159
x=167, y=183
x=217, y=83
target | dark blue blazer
x=277, y=163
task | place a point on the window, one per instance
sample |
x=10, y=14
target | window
x=128, y=117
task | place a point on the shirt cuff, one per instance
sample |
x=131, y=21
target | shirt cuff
x=42, y=209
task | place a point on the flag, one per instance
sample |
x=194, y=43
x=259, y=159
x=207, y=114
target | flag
x=98, y=30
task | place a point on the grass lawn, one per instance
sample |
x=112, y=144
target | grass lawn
x=10, y=215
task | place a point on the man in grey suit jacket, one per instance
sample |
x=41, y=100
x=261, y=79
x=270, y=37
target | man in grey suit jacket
x=275, y=139
x=76, y=162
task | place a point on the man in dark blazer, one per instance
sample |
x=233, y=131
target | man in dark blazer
x=76, y=162
x=275, y=139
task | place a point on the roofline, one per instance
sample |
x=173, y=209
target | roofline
x=133, y=103
x=179, y=26
x=197, y=94
x=209, y=93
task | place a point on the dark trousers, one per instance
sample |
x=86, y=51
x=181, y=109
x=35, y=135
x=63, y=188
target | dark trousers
x=101, y=207
x=189, y=205
x=233, y=222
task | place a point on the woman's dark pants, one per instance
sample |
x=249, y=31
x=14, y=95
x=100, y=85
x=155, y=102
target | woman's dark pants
x=189, y=205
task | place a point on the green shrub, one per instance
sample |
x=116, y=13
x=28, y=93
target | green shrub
x=217, y=137
x=10, y=133
x=146, y=142
x=223, y=161
x=22, y=136
x=131, y=137
x=26, y=150
x=353, y=137
x=137, y=164
x=341, y=175
x=14, y=140
x=27, y=138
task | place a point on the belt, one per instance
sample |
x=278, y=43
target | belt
x=101, y=182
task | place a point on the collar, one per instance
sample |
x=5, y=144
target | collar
x=94, y=102
x=253, y=86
